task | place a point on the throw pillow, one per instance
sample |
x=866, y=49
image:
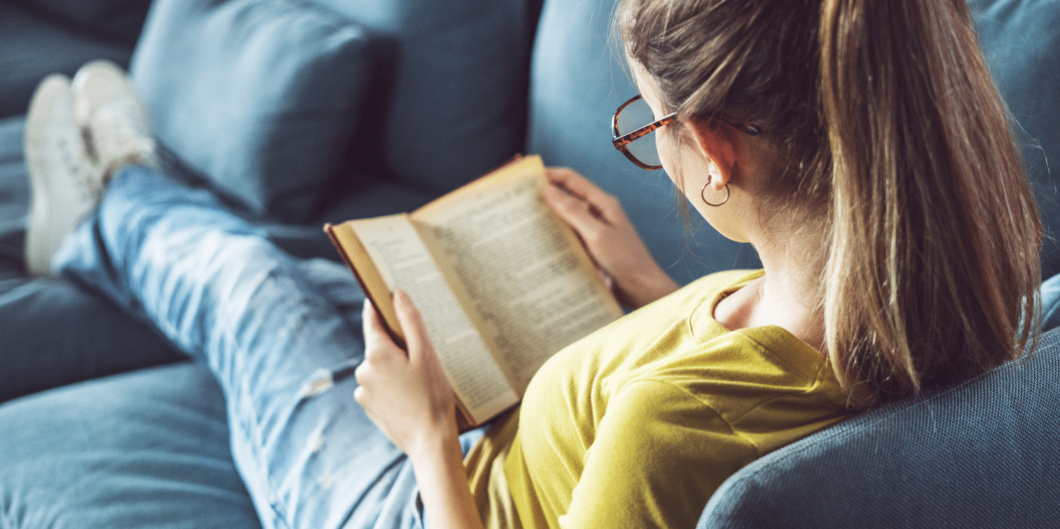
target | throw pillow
x=449, y=95
x=259, y=96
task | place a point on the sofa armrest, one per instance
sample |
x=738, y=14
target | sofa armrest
x=982, y=454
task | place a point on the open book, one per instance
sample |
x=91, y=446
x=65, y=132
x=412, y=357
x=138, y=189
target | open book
x=501, y=281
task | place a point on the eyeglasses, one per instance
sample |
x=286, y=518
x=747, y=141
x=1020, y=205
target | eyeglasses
x=637, y=141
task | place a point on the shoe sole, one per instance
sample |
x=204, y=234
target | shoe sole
x=58, y=201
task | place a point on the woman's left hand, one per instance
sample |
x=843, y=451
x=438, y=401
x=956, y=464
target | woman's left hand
x=627, y=266
x=406, y=394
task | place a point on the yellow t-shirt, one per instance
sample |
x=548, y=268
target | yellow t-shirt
x=639, y=423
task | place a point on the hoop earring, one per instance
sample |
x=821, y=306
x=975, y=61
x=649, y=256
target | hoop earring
x=703, y=197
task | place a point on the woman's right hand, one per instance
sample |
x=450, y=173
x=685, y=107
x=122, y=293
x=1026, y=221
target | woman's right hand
x=621, y=256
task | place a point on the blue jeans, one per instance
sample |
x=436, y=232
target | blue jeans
x=281, y=337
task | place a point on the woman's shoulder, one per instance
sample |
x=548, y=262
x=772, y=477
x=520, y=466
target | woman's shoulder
x=724, y=281
x=699, y=296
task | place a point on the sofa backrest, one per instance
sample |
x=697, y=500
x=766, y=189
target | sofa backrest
x=982, y=454
x=578, y=80
x=448, y=101
x=1020, y=41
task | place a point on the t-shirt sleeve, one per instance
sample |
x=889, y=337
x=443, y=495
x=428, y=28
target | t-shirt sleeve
x=658, y=455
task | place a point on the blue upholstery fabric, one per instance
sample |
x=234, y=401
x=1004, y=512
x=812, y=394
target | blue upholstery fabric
x=447, y=103
x=261, y=97
x=1051, y=303
x=145, y=449
x=1020, y=41
x=982, y=454
x=119, y=20
x=449, y=97
x=577, y=82
x=51, y=332
x=35, y=46
x=14, y=189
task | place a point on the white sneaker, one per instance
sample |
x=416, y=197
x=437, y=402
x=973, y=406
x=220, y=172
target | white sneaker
x=65, y=182
x=115, y=118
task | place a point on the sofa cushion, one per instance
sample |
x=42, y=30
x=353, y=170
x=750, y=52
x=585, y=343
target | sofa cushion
x=1020, y=42
x=119, y=20
x=981, y=454
x=14, y=187
x=53, y=333
x=35, y=46
x=577, y=83
x=448, y=102
x=258, y=96
x=142, y=450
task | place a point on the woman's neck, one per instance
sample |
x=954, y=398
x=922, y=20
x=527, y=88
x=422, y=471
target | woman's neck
x=789, y=295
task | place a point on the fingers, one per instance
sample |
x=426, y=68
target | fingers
x=600, y=203
x=572, y=181
x=576, y=213
x=379, y=352
x=574, y=210
x=375, y=334
x=411, y=324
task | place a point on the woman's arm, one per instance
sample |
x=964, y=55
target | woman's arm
x=629, y=269
x=443, y=485
x=409, y=398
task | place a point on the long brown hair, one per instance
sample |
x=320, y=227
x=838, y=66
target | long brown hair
x=895, y=138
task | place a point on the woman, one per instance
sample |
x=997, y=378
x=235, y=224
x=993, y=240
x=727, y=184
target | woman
x=859, y=145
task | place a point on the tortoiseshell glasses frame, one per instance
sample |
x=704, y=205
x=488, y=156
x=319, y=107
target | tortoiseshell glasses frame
x=620, y=141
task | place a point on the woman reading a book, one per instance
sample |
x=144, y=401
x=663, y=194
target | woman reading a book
x=859, y=145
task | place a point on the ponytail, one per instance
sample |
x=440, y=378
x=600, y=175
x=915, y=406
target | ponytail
x=898, y=143
x=935, y=232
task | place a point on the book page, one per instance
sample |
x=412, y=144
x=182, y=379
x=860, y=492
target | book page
x=533, y=286
x=405, y=263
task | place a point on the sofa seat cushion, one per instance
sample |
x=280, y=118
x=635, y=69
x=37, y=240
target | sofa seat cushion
x=51, y=332
x=14, y=188
x=260, y=97
x=146, y=449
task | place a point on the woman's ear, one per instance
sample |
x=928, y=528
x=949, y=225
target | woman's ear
x=717, y=143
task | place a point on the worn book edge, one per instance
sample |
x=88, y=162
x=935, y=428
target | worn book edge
x=356, y=257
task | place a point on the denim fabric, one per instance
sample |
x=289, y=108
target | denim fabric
x=282, y=349
x=984, y=453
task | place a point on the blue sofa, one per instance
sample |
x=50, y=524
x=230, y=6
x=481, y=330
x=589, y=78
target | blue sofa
x=437, y=94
